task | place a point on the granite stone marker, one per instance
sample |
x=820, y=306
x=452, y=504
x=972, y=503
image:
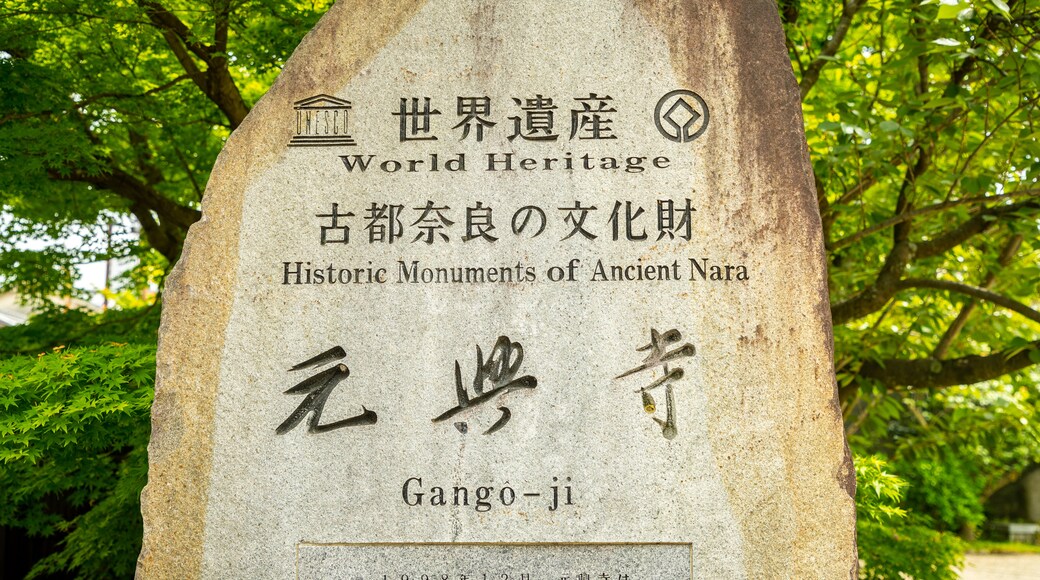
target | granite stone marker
x=513, y=291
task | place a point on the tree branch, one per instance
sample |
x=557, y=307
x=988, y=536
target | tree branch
x=165, y=235
x=974, y=292
x=220, y=30
x=955, y=328
x=978, y=224
x=865, y=183
x=920, y=30
x=988, y=134
x=996, y=485
x=885, y=285
x=903, y=217
x=878, y=294
x=84, y=103
x=929, y=373
x=988, y=31
x=168, y=22
x=830, y=48
x=216, y=82
x=190, y=172
x=185, y=59
x=143, y=156
x=157, y=236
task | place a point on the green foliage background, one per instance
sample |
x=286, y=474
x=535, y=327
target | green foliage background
x=920, y=119
x=73, y=436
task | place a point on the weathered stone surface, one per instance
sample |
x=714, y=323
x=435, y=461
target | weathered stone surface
x=755, y=478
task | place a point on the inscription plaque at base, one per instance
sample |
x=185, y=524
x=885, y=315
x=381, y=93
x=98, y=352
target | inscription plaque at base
x=494, y=561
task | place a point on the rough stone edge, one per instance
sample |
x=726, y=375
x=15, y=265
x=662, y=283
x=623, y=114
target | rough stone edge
x=758, y=38
x=200, y=289
x=758, y=24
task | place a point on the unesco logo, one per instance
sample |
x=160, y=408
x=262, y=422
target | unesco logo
x=681, y=116
x=321, y=121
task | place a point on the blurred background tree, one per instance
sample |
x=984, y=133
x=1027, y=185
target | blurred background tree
x=920, y=120
x=111, y=112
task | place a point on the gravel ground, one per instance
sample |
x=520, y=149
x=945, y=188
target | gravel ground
x=1001, y=567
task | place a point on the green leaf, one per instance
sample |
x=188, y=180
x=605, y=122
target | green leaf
x=889, y=126
x=1034, y=356
x=1002, y=7
x=949, y=11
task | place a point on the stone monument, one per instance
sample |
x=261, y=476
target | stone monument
x=513, y=291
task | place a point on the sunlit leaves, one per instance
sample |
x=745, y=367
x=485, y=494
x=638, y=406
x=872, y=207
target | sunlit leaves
x=91, y=86
x=73, y=429
x=942, y=80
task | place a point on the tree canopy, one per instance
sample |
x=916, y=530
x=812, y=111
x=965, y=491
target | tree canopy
x=121, y=108
x=920, y=119
x=925, y=154
x=921, y=122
